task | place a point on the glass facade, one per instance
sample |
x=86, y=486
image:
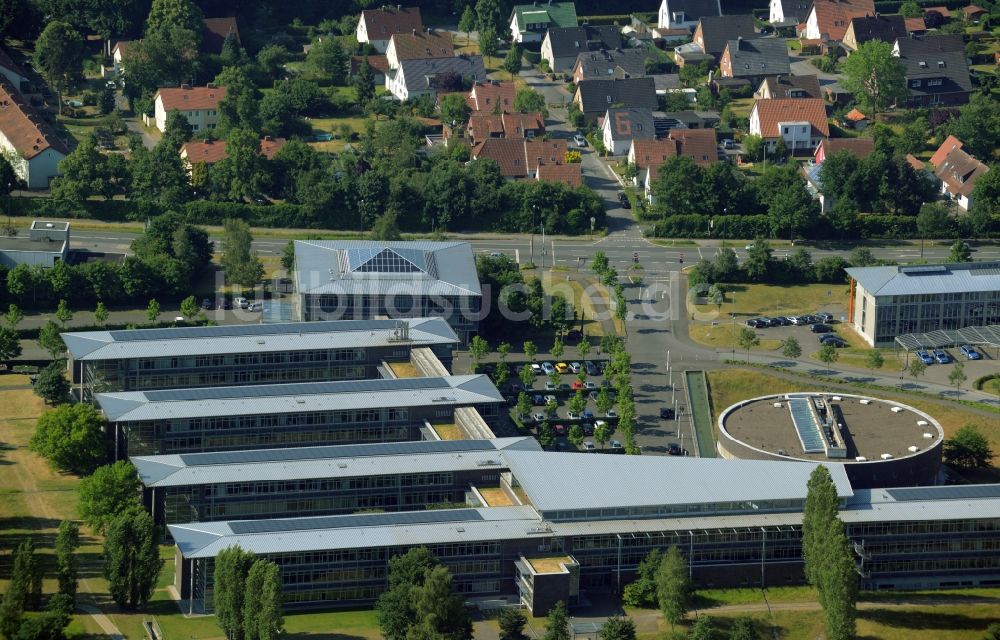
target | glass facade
x=461, y=313
x=921, y=313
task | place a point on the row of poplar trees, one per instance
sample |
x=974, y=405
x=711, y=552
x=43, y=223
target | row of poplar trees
x=247, y=596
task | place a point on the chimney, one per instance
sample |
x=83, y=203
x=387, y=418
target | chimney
x=413, y=32
x=210, y=85
x=268, y=138
x=399, y=7
x=186, y=87
x=207, y=140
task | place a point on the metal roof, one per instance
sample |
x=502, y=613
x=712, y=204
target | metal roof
x=564, y=481
x=252, y=338
x=445, y=391
x=949, y=337
x=300, y=463
x=928, y=279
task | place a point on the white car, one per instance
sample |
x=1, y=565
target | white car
x=548, y=368
x=579, y=140
x=536, y=368
x=240, y=303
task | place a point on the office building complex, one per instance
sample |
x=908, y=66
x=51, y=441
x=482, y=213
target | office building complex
x=319, y=481
x=355, y=279
x=178, y=421
x=147, y=359
x=580, y=523
x=890, y=301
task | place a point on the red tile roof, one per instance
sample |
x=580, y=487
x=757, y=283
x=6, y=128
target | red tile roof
x=484, y=97
x=569, y=174
x=959, y=171
x=855, y=116
x=915, y=162
x=507, y=153
x=22, y=125
x=485, y=126
x=215, y=31
x=422, y=44
x=698, y=144
x=381, y=23
x=950, y=143
x=915, y=24
x=544, y=151
x=834, y=16
x=211, y=151
x=653, y=152
x=270, y=146
x=860, y=147
x=771, y=112
x=378, y=63
x=516, y=124
x=188, y=99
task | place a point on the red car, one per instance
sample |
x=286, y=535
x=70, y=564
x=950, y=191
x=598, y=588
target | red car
x=577, y=384
x=560, y=430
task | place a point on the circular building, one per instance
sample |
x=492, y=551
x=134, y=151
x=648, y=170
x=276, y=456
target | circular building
x=881, y=443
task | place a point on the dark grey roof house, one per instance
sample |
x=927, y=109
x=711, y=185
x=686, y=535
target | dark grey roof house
x=611, y=63
x=562, y=45
x=876, y=27
x=594, y=97
x=623, y=125
x=754, y=59
x=714, y=32
x=936, y=69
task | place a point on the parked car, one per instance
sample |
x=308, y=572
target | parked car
x=539, y=417
x=942, y=356
x=255, y=306
x=574, y=335
x=225, y=304
x=674, y=449
x=728, y=143
x=562, y=367
x=550, y=386
x=589, y=385
x=590, y=368
x=616, y=446
x=589, y=447
x=836, y=341
x=572, y=415
x=925, y=357
x=623, y=199
x=574, y=367
x=538, y=400
x=588, y=414
x=824, y=316
x=666, y=413
x=551, y=398
x=587, y=428
x=780, y=321
x=969, y=352
x=206, y=303
x=754, y=323
x=796, y=320
x=559, y=429
x=820, y=328
x=536, y=368
x=577, y=385
x=240, y=303
x=611, y=413
x=579, y=140
x=548, y=369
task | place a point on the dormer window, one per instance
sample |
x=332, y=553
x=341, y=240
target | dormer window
x=746, y=66
x=940, y=64
x=923, y=65
x=609, y=99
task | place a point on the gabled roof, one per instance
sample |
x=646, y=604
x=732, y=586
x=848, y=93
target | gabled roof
x=215, y=31
x=758, y=56
x=550, y=14
x=252, y=338
x=485, y=96
x=612, y=63
x=485, y=126
x=419, y=74
x=782, y=86
x=544, y=151
x=646, y=153
x=935, y=57
x=878, y=27
x=959, y=171
x=516, y=124
x=630, y=124
x=854, y=115
x=698, y=144
x=716, y=31
x=381, y=23
x=834, y=16
x=379, y=63
x=418, y=45
x=694, y=9
x=860, y=147
x=508, y=153
x=943, y=10
x=190, y=98
x=123, y=46
x=177, y=404
x=775, y=110
x=8, y=63
x=915, y=24
x=795, y=11
x=23, y=126
x=568, y=174
x=928, y=279
x=571, y=41
x=211, y=151
x=365, y=267
x=630, y=92
x=950, y=144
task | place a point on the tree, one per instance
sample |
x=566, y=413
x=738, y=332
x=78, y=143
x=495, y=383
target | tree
x=527, y=376
x=386, y=227
x=439, y=613
x=101, y=314
x=488, y=43
x=50, y=624
x=933, y=220
x=617, y=627
x=759, y=260
x=530, y=350
x=467, y=23
x=59, y=56
x=874, y=360
x=583, y=348
x=190, y=308
x=875, y=77
x=67, y=542
x=679, y=187
x=790, y=348
x=112, y=489
x=455, y=110
x=478, y=349
x=557, y=625
x=743, y=629
x=14, y=316
x=968, y=448
x=747, y=339
x=528, y=100
x=132, y=558
x=917, y=368
x=703, y=629
x=604, y=401
x=263, y=618
x=819, y=511
x=523, y=404
x=177, y=130
x=839, y=584
x=396, y=607
x=489, y=15
x=10, y=345
x=602, y=433
x=557, y=349
x=241, y=175
x=575, y=435
x=327, y=59
x=828, y=354
x=168, y=14
x=910, y=9
x=153, y=310
x=71, y=438
x=512, y=621
x=232, y=566
x=977, y=126
x=24, y=577
x=272, y=58
x=960, y=252
x=51, y=385
x=985, y=199
x=241, y=264
x=63, y=313
x=673, y=586
x=512, y=63
x=642, y=592
x=957, y=376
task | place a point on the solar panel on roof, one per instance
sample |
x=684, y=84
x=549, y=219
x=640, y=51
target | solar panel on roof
x=295, y=389
x=945, y=493
x=243, y=330
x=362, y=520
x=928, y=268
x=335, y=451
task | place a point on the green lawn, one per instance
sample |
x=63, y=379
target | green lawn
x=783, y=300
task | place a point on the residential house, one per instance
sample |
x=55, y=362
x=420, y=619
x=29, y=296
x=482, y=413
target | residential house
x=611, y=63
x=957, y=170
x=594, y=97
x=689, y=119
x=644, y=153
x=665, y=83
x=379, y=65
x=685, y=14
x=874, y=27
x=936, y=16
x=418, y=45
x=520, y=158
x=788, y=87
x=915, y=26
x=937, y=72
x=377, y=26
x=505, y=125
x=208, y=151
x=974, y=13
x=788, y=13
x=800, y=122
x=529, y=22
x=27, y=141
x=698, y=144
x=562, y=45
x=755, y=59
x=214, y=32
x=859, y=147
x=415, y=78
x=487, y=97
x=538, y=152
x=622, y=126
x=568, y=174
x=714, y=33
x=855, y=119
x=12, y=71
x=119, y=54
x=200, y=105
x=829, y=19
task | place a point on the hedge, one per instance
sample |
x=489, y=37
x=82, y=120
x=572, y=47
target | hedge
x=892, y=6
x=621, y=19
x=32, y=333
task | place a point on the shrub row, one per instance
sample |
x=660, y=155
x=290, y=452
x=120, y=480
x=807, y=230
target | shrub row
x=32, y=333
x=892, y=6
